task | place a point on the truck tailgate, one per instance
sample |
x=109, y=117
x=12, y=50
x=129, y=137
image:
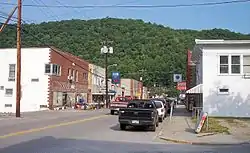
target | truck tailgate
x=135, y=113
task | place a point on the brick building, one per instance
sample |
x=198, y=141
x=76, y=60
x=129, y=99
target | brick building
x=49, y=77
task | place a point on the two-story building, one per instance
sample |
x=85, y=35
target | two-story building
x=130, y=87
x=223, y=77
x=96, y=83
x=49, y=78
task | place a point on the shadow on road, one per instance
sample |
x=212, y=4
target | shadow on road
x=52, y=145
x=130, y=128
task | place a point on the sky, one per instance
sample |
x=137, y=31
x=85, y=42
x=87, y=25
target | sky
x=235, y=17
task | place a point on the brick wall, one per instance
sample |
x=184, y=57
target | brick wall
x=61, y=83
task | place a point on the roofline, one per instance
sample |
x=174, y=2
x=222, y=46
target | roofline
x=220, y=42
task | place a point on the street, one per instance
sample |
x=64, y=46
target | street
x=89, y=131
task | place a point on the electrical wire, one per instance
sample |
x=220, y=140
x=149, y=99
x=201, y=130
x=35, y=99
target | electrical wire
x=58, y=52
x=133, y=6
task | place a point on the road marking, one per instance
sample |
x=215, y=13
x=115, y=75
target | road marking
x=50, y=127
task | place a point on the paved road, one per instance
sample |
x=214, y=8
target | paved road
x=93, y=132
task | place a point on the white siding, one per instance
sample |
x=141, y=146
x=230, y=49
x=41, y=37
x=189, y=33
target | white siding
x=98, y=81
x=34, y=94
x=237, y=102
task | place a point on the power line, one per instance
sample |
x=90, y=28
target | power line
x=58, y=52
x=133, y=6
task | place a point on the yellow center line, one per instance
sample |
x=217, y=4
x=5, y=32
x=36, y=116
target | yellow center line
x=50, y=127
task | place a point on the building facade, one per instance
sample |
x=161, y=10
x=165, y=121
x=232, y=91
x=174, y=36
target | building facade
x=130, y=87
x=71, y=81
x=97, y=83
x=49, y=78
x=223, y=76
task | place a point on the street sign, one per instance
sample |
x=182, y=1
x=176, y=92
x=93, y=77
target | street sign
x=177, y=77
x=116, y=78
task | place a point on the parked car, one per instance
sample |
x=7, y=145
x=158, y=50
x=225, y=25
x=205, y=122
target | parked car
x=141, y=113
x=166, y=104
x=161, y=110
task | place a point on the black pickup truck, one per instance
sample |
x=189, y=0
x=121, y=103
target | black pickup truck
x=139, y=113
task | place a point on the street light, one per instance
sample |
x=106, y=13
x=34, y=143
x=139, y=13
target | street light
x=112, y=65
x=106, y=50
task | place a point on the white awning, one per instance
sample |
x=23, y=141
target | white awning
x=196, y=89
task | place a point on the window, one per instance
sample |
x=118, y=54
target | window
x=53, y=69
x=85, y=76
x=69, y=72
x=224, y=67
x=12, y=72
x=235, y=64
x=158, y=104
x=7, y=105
x=35, y=80
x=8, y=92
x=56, y=69
x=47, y=68
x=76, y=76
x=246, y=64
x=223, y=91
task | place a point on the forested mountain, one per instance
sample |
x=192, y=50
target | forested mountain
x=137, y=45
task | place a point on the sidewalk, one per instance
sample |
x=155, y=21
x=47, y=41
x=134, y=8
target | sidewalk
x=181, y=130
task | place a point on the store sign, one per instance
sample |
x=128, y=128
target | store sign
x=177, y=78
x=116, y=78
x=181, y=85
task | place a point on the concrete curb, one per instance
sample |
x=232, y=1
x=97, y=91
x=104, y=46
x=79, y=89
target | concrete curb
x=199, y=143
x=206, y=134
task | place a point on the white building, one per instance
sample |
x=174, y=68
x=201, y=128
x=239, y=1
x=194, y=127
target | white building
x=34, y=93
x=96, y=83
x=223, y=76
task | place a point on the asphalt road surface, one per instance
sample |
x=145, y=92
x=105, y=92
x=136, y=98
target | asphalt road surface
x=88, y=132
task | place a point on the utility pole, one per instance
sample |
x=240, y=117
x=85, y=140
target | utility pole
x=18, y=80
x=106, y=50
x=106, y=80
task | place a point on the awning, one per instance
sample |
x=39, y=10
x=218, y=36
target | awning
x=196, y=89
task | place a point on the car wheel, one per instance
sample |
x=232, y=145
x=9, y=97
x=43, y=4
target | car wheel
x=153, y=128
x=123, y=126
x=157, y=123
x=112, y=112
x=160, y=119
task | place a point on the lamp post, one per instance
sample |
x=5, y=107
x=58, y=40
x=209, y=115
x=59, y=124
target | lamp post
x=106, y=50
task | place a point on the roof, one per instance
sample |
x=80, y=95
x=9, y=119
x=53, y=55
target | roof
x=220, y=41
